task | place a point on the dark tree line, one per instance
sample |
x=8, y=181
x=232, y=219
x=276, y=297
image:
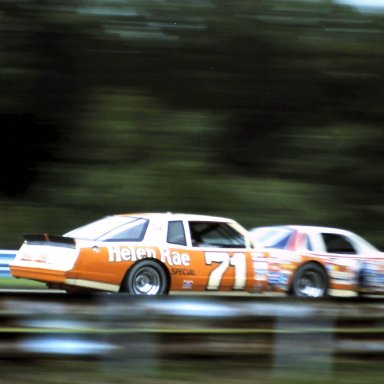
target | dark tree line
x=287, y=91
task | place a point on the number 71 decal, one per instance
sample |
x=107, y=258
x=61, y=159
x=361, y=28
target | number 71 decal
x=226, y=261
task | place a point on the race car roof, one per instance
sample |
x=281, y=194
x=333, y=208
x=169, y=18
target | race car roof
x=179, y=216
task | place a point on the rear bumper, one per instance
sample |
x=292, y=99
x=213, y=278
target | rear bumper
x=60, y=279
x=43, y=275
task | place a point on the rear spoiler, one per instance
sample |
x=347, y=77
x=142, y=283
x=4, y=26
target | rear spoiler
x=44, y=238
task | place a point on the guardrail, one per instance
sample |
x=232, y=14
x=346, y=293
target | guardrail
x=5, y=257
x=298, y=332
x=120, y=338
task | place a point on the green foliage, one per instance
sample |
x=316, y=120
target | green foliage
x=267, y=112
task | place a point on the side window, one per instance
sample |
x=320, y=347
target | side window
x=176, y=234
x=222, y=235
x=335, y=243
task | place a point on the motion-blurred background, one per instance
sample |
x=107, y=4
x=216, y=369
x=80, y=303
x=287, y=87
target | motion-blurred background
x=265, y=111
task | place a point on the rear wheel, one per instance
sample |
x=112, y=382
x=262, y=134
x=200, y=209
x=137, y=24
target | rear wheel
x=310, y=281
x=146, y=278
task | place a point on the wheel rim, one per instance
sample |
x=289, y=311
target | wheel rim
x=311, y=284
x=146, y=281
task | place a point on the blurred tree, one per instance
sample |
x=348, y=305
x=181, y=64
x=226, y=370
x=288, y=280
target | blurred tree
x=265, y=111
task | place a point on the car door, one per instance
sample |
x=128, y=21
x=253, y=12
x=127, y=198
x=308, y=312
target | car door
x=343, y=259
x=220, y=256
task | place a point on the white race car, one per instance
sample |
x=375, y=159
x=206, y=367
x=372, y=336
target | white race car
x=320, y=258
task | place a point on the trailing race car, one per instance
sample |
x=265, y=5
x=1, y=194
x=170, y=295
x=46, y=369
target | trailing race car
x=320, y=258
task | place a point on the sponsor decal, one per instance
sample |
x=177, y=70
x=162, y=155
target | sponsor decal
x=371, y=277
x=175, y=258
x=119, y=254
x=38, y=258
x=187, y=284
x=262, y=266
x=183, y=272
x=260, y=269
x=278, y=279
x=288, y=267
x=261, y=278
x=274, y=277
x=341, y=275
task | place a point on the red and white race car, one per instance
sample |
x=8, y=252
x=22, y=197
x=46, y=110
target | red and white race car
x=311, y=260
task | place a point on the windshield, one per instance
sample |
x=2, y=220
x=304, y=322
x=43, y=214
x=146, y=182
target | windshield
x=112, y=228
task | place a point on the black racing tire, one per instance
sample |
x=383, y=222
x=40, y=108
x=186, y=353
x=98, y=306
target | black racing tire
x=310, y=280
x=147, y=277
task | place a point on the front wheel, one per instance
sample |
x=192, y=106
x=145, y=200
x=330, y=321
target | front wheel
x=146, y=278
x=310, y=280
